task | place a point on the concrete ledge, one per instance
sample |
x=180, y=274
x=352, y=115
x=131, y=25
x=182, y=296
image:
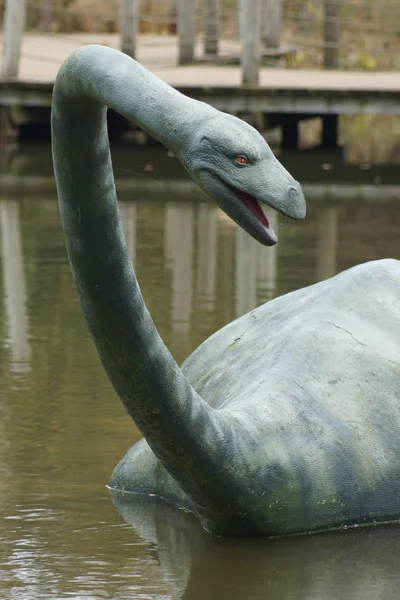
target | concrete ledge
x=184, y=189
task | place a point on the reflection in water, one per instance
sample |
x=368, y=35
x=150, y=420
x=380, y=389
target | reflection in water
x=255, y=269
x=128, y=216
x=356, y=564
x=63, y=431
x=246, y=289
x=206, y=267
x=179, y=225
x=327, y=242
x=267, y=264
x=14, y=285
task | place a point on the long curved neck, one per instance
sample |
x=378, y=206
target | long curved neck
x=178, y=424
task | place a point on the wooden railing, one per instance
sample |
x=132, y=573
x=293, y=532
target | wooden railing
x=355, y=34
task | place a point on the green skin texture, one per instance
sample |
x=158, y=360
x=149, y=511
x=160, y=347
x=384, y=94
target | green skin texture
x=288, y=419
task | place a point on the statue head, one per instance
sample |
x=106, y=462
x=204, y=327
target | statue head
x=233, y=164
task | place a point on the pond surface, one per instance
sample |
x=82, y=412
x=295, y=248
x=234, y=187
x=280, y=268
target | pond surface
x=62, y=429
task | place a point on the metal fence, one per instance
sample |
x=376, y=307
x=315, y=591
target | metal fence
x=345, y=34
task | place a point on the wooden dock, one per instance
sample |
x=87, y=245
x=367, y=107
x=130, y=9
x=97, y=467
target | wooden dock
x=285, y=96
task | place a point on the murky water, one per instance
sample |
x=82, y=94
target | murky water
x=62, y=429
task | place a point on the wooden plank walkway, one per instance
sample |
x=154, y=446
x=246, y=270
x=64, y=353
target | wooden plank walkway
x=293, y=91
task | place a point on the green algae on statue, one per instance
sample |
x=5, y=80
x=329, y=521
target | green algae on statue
x=295, y=426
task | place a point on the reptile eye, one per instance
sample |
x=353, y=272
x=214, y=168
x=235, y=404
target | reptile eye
x=241, y=160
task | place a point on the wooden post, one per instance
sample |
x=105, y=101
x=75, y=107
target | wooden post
x=331, y=34
x=129, y=21
x=330, y=132
x=13, y=30
x=46, y=16
x=186, y=30
x=290, y=132
x=271, y=22
x=212, y=16
x=250, y=29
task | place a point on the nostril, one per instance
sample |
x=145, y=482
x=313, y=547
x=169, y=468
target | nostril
x=292, y=192
x=295, y=201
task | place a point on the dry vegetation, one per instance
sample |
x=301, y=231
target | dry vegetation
x=370, y=33
x=370, y=29
x=157, y=16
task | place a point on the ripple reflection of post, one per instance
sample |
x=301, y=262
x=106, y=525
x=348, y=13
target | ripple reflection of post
x=255, y=270
x=267, y=264
x=128, y=216
x=179, y=255
x=206, y=267
x=14, y=285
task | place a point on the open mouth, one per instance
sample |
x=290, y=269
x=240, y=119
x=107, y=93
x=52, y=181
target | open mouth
x=254, y=207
